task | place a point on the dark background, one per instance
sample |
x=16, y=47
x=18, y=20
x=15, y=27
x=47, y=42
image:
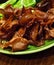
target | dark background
x=2, y=1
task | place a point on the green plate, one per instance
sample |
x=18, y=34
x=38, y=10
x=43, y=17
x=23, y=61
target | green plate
x=30, y=49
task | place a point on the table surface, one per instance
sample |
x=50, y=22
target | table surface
x=41, y=58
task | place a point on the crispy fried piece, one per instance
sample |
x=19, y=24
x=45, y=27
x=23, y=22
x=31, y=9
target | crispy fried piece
x=44, y=5
x=7, y=28
x=26, y=18
x=34, y=32
x=50, y=13
x=39, y=42
x=50, y=21
x=20, y=44
x=1, y=34
x=10, y=25
x=41, y=15
x=17, y=42
x=51, y=33
x=37, y=35
x=20, y=32
x=7, y=36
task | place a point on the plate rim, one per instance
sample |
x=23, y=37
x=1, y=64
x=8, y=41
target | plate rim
x=27, y=52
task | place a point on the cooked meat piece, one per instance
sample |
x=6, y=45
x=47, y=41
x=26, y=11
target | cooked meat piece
x=1, y=34
x=34, y=32
x=9, y=10
x=52, y=3
x=20, y=32
x=9, y=24
x=2, y=22
x=7, y=28
x=40, y=29
x=50, y=21
x=50, y=13
x=51, y=33
x=7, y=36
x=40, y=4
x=17, y=43
x=39, y=42
x=30, y=23
x=26, y=18
x=45, y=5
x=41, y=15
x=20, y=44
x=47, y=36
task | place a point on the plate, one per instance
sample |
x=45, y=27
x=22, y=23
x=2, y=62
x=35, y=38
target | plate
x=30, y=49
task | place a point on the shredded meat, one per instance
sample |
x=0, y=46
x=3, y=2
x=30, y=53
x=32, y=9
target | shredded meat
x=22, y=27
x=45, y=5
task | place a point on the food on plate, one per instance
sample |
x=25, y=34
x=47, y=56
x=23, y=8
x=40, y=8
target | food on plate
x=26, y=26
x=45, y=4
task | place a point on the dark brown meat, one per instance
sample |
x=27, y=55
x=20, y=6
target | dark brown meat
x=34, y=32
x=17, y=42
x=52, y=3
x=26, y=18
x=45, y=5
x=7, y=28
x=49, y=33
x=21, y=27
x=20, y=32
